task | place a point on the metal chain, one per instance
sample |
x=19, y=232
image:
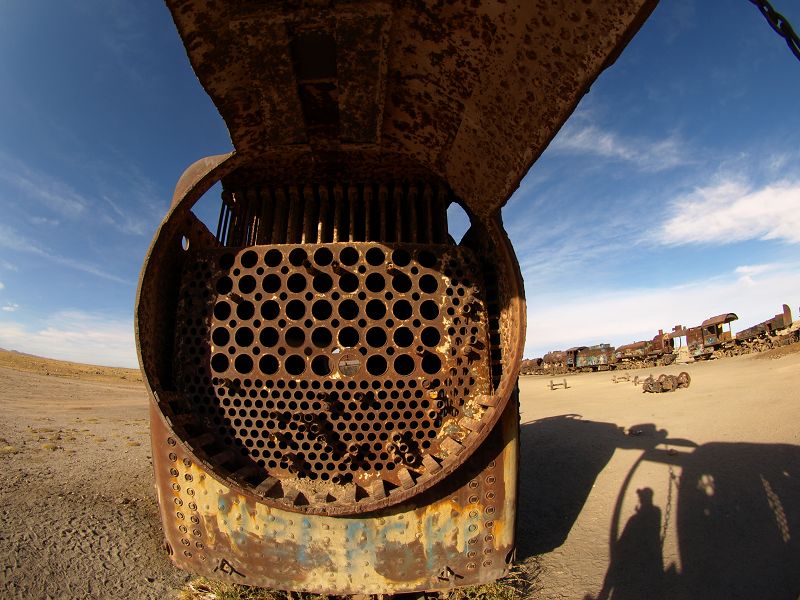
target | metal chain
x=781, y=26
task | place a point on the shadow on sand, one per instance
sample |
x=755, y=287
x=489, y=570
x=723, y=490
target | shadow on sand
x=736, y=510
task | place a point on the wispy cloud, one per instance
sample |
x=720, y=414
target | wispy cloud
x=4, y=264
x=748, y=272
x=48, y=191
x=126, y=222
x=626, y=315
x=39, y=221
x=650, y=155
x=117, y=194
x=76, y=336
x=732, y=210
x=11, y=240
x=2, y=285
x=10, y=307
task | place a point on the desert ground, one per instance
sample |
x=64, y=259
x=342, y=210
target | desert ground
x=689, y=494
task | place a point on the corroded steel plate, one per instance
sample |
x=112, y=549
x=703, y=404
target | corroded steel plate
x=333, y=376
x=460, y=532
x=473, y=91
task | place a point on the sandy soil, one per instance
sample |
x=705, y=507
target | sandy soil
x=721, y=460
x=68, y=528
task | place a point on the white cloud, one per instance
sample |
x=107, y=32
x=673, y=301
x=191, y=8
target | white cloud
x=10, y=307
x=645, y=154
x=748, y=271
x=8, y=266
x=2, y=285
x=74, y=335
x=10, y=239
x=733, y=211
x=624, y=316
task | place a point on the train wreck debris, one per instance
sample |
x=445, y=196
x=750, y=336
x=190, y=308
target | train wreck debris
x=666, y=383
x=332, y=375
x=706, y=341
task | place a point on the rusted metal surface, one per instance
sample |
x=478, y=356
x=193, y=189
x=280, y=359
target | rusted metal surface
x=666, y=383
x=331, y=380
x=333, y=377
x=334, y=393
x=473, y=91
x=769, y=327
x=460, y=533
x=722, y=319
x=594, y=358
x=630, y=352
x=709, y=336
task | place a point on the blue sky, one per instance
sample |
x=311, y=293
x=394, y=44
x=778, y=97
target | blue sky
x=673, y=192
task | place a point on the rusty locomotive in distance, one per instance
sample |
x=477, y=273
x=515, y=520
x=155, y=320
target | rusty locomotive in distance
x=710, y=339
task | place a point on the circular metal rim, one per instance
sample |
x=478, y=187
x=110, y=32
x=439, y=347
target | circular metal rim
x=197, y=180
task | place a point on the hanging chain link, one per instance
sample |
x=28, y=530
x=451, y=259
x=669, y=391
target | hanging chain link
x=781, y=26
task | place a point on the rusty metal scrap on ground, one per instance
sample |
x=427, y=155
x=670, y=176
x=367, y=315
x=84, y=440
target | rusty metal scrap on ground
x=666, y=383
x=333, y=376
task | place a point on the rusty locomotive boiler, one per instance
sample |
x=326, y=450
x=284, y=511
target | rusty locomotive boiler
x=332, y=375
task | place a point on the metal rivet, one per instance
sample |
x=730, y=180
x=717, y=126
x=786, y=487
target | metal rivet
x=171, y=441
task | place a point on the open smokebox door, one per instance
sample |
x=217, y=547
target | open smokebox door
x=333, y=375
